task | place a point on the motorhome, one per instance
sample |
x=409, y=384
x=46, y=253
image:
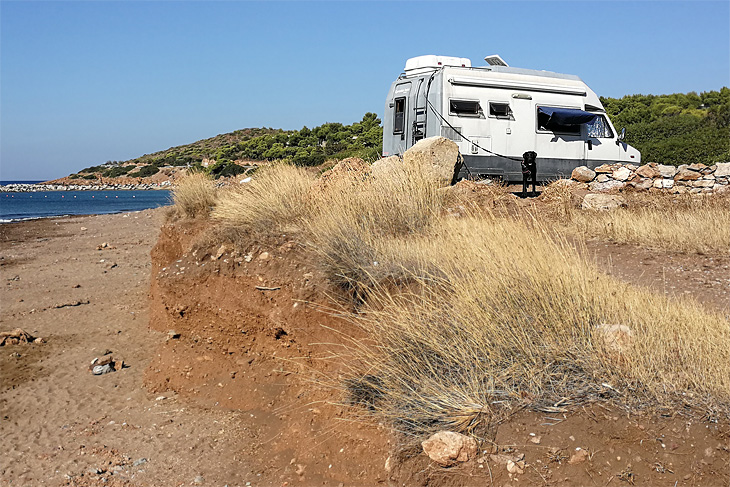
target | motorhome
x=495, y=113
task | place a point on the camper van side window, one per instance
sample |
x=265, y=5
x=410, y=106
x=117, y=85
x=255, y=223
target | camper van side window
x=599, y=128
x=544, y=124
x=399, y=117
x=465, y=108
x=500, y=110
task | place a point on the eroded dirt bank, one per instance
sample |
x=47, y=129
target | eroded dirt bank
x=257, y=335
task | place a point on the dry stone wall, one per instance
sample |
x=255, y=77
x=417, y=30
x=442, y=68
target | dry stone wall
x=687, y=178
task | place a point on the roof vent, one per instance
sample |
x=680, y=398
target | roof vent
x=495, y=60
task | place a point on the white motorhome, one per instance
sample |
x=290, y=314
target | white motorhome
x=495, y=113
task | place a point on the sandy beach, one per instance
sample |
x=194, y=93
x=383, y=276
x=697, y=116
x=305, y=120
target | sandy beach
x=58, y=420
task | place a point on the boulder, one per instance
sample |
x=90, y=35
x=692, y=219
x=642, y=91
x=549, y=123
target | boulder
x=666, y=171
x=621, y=174
x=605, y=202
x=583, y=174
x=436, y=156
x=686, y=174
x=648, y=171
x=602, y=178
x=607, y=186
x=383, y=167
x=447, y=448
x=697, y=166
x=723, y=169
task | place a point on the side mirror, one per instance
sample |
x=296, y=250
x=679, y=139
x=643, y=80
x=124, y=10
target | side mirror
x=621, y=136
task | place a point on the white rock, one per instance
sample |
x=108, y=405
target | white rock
x=448, y=448
x=605, y=202
x=666, y=171
x=621, y=174
x=607, y=186
x=436, y=156
x=723, y=169
x=583, y=174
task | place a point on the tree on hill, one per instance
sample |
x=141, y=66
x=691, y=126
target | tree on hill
x=675, y=129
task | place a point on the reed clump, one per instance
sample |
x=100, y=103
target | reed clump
x=274, y=201
x=194, y=195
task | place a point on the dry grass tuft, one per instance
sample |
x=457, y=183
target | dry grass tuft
x=194, y=195
x=685, y=223
x=354, y=214
x=502, y=316
x=275, y=200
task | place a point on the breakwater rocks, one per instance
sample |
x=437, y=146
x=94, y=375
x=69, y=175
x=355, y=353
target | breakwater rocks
x=32, y=188
x=687, y=178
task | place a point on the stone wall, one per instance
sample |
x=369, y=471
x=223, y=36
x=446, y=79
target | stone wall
x=687, y=178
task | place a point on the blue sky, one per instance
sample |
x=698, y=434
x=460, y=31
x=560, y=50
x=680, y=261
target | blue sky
x=86, y=82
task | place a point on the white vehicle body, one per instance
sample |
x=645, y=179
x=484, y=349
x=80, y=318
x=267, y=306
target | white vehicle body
x=495, y=113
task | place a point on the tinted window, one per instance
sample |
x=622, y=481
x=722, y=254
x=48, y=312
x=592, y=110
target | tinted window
x=500, y=110
x=465, y=108
x=399, y=116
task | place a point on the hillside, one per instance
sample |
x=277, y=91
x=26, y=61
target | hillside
x=680, y=128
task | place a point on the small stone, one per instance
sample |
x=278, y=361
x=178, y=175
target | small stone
x=198, y=480
x=448, y=448
x=160, y=398
x=139, y=462
x=536, y=439
x=264, y=256
x=604, y=168
x=173, y=335
x=221, y=250
x=579, y=456
x=513, y=467
x=102, y=369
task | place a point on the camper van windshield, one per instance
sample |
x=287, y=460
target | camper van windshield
x=599, y=128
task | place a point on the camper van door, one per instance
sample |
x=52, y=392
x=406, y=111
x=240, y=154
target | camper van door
x=600, y=146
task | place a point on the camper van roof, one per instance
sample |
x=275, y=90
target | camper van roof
x=435, y=62
x=421, y=64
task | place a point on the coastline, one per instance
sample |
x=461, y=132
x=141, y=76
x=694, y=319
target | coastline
x=38, y=187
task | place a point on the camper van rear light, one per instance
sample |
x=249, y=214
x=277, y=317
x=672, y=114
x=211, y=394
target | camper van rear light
x=492, y=83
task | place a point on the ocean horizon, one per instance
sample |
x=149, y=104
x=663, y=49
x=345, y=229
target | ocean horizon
x=15, y=207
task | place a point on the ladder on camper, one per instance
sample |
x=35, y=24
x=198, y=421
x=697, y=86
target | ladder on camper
x=419, y=113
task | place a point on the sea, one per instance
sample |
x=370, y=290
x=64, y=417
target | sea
x=16, y=207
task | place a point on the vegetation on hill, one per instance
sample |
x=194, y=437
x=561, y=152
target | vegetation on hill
x=305, y=147
x=669, y=129
x=675, y=129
